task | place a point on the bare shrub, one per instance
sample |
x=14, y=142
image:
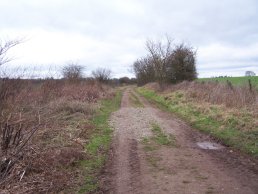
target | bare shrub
x=14, y=147
x=103, y=75
x=72, y=71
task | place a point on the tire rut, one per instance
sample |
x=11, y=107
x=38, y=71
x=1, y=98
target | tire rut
x=181, y=169
x=135, y=167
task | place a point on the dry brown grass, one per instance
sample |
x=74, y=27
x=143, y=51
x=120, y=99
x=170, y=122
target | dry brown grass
x=219, y=93
x=232, y=101
x=227, y=113
x=215, y=93
x=61, y=110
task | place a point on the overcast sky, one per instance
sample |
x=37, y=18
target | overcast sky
x=112, y=33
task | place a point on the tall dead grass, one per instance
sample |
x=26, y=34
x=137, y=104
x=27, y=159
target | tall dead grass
x=60, y=110
x=216, y=93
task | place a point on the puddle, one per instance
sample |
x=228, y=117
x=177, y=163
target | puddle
x=209, y=145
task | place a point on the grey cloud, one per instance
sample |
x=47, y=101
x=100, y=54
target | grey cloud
x=125, y=25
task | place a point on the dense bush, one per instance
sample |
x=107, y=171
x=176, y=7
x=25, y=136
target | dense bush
x=166, y=62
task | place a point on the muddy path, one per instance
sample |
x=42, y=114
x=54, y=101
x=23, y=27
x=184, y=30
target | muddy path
x=194, y=164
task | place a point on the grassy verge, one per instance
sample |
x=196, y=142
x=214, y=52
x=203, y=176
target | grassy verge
x=99, y=143
x=215, y=120
x=135, y=100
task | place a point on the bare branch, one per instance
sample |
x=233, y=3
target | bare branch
x=5, y=47
x=72, y=71
x=166, y=62
x=102, y=74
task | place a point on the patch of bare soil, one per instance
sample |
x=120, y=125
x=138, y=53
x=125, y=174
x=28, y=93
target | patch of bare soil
x=184, y=168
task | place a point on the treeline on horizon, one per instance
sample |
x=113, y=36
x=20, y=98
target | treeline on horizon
x=112, y=81
x=71, y=71
x=166, y=62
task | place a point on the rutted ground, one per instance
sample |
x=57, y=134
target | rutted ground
x=140, y=165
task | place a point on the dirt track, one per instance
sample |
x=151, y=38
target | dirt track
x=184, y=168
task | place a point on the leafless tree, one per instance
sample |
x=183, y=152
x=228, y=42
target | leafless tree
x=102, y=74
x=160, y=53
x=144, y=70
x=249, y=73
x=72, y=71
x=5, y=46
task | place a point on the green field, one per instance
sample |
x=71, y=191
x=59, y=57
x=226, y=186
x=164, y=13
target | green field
x=234, y=80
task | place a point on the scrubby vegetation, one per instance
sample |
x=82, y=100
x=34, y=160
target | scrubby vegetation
x=55, y=136
x=51, y=133
x=166, y=63
x=226, y=112
x=99, y=143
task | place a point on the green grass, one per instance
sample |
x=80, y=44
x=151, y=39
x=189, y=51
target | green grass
x=99, y=144
x=148, y=145
x=150, y=148
x=226, y=131
x=153, y=161
x=152, y=144
x=234, y=80
x=160, y=137
x=135, y=100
